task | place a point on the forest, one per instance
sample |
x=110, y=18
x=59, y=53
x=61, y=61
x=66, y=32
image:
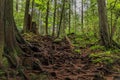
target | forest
x=59, y=40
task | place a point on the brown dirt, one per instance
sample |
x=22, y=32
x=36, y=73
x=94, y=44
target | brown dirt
x=56, y=59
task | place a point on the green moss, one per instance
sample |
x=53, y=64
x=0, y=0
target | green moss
x=43, y=77
x=97, y=47
x=77, y=50
x=105, y=60
x=107, y=57
x=38, y=77
x=5, y=62
x=2, y=73
x=104, y=57
x=57, y=40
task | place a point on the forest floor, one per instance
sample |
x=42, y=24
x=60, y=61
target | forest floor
x=50, y=59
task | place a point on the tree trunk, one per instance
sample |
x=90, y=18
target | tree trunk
x=10, y=39
x=69, y=16
x=61, y=18
x=17, y=1
x=8, y=33
x=54, y=17
x=103, y=23
x=32, y=14
x=1, y=29
x=47, y=16
x=82, y=16
x=75, y=5
x=25, y=25
x=113, y=27
x=63, y=27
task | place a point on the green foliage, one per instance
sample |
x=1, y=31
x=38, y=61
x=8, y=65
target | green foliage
x=77, y=51
x=105, y=60
x=57, y=40
x=29, y=36
x=38, y=77
x=103, y=57
x=41, y=4
x=97, y=47
x=84, y=40
x=2, y=72
x=5, y=62
x=106, y=57
x=115, y=51
x=19, y=17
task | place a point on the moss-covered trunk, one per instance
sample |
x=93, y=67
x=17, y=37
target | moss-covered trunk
x=103, y=23
x=1, y=30
x=10, y=40
x=9, y=34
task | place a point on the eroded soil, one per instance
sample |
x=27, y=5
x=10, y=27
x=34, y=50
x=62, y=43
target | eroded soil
x=49, y=59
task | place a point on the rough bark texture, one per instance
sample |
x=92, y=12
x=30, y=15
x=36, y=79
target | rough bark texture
x=26, y=16
x=32, y=14
x=1, y=29
x=8, y=33
x=47, y=15
x=103, y=23
x=10, y=40
x=69, y=16
x=82, y=17
x=17, y=3
x=61, y=18
x=54, y=17
x=75, y=15
x=113, y=28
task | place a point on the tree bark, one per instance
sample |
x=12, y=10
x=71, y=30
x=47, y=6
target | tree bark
x=103, y=23
x=32, y=14
x=25, y=24
x=10, y=40
x=113, y=27
x=54, y=17
x=61, y=18
x=47, y=16
x=75, y=5
x=69, y=16
x=82, y=16
x=9, y=33
x=17, y=1
x=1, y=29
